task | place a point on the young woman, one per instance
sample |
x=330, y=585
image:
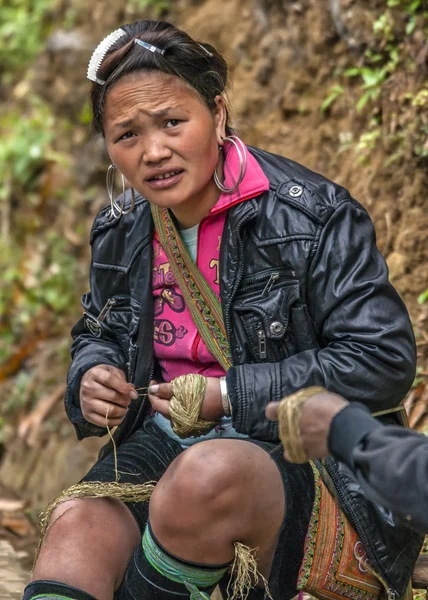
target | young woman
x=305, y=300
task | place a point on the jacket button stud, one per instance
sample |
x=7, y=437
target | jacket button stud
x=277, y=328
x=296, y=191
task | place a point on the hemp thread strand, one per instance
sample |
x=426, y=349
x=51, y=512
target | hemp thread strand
x=245, y=573
x=116, y=471
x=185, y=406
x=127, y=492
x=289, y=412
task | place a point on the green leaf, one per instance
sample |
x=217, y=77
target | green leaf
x=366, y=97
x=415, y=6
x=335, y=92
x=423, y=297
x=372, y=77
x=411, y=25
x=353, y=72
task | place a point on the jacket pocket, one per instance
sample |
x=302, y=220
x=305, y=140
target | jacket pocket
x=263, y=307
x=266, y=280
x=118, y=319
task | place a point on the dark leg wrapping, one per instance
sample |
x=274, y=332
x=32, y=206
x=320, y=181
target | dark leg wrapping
x=156, y=575
x=53, y=590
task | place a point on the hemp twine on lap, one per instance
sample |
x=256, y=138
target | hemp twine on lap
x=289, y=412
x=127, y=492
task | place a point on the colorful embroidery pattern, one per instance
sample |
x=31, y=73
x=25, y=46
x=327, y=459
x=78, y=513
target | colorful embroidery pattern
x=334, y=564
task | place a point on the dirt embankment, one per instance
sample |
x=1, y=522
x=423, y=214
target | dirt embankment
x=286, y=57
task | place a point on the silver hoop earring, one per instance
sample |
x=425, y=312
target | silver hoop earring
x=116, y=209
x=243, y=159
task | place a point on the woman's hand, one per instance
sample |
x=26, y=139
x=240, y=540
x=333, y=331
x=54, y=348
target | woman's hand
x=104, y=391
x=212, y=409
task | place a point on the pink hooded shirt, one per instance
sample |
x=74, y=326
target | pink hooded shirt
x=178, y=346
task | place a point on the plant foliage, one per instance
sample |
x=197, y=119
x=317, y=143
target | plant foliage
x=24, y=25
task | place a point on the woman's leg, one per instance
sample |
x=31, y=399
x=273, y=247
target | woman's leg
x=88, y=546
x=90, y=542
x=214, y=494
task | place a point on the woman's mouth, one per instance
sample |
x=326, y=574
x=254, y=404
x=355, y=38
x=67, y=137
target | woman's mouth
x=165, y=180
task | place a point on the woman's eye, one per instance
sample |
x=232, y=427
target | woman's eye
x=126, y=136
x=172, y=123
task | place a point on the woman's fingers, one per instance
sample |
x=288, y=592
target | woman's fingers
x=161, y=390
x=159, y=405
x=102, y=422
x=104, y=413
x=104, y=388
x=159, y=395
x=114, y=381
x=102, y=408
x=110, y=395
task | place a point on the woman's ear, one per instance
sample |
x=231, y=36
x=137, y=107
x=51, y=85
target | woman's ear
x=220, y=118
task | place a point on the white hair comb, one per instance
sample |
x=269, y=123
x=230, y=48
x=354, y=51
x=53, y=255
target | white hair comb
x=100, y=52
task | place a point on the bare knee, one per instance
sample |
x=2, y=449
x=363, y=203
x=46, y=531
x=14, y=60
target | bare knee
x=88, y=545
x=217, y=493
x=200, y=486
x=84, y=526
x=83, y=516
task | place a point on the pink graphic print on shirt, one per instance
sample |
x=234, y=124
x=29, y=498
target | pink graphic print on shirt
x=178, y=345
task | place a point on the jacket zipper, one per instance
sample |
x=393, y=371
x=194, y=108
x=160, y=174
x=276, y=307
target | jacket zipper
x=391, y=593
x=111, y=302
x=270, y=278
x=106, y=309
x=143, y=403
x=239, y=274
x=262, y=343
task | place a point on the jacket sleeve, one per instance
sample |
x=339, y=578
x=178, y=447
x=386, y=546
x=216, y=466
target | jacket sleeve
x=87, y=351
x=367, y=349
x=390, y=463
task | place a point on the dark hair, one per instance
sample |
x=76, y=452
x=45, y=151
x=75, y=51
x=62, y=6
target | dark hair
x=200, y=65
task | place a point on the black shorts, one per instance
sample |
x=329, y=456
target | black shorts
x=146, y=455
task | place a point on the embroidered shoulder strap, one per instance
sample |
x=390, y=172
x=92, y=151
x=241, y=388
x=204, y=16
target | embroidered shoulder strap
x=200, y=299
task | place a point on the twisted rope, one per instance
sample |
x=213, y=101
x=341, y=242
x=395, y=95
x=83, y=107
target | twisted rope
x=185, y=406
x=289, y=413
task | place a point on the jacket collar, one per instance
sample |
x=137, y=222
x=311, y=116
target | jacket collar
x=253, y=184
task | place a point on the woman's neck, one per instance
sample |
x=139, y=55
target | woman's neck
x=195, y=209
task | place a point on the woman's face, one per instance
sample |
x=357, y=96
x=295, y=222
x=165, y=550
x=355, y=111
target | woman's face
x=163, y=138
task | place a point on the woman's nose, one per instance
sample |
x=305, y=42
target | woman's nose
x=155, y=151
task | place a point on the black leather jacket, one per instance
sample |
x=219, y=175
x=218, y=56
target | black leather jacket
x=306, y=301
x=390, y=463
